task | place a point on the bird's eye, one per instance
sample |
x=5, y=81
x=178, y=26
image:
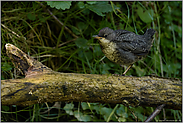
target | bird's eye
x=105, y=35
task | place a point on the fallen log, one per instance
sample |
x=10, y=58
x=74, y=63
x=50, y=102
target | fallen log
x=41, y=84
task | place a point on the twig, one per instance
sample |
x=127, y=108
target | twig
x=155, y=113
x=67, y=29
x=10, y=30
x=132, y=113
x=56, y=105
x=48, y=55
x=65, y=43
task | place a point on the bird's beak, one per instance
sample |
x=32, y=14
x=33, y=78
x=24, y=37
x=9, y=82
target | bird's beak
x=96, y=36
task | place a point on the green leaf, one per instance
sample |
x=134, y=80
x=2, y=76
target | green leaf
x=139, y=113
x=96, y=108
x=86, y=118
x=60, y=4
x=121, y=119
x=120, y=110
x=81, y=54
x=91, y=2
x=31, y=16
x=81, y=25
x=140, y=116
x=81, y=5
x=146, y=16
x=81, y=43
x=101, y=7
x=106, y=113
x=68, y=108
x=78, y=115
x=86, y=11
x=81, y=117
x=85, y=55
x=41, y=18
x=97, y=50
x=84, y=106
x=89, y=55
x=5, y=108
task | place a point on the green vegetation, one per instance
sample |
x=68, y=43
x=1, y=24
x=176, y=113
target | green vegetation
x=29, y=26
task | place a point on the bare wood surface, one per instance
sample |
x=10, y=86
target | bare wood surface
x=41, y=84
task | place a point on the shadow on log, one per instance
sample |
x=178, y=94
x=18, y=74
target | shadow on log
x=41, y=84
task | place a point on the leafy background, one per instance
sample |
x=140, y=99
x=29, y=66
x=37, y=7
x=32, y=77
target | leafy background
x=29, y=26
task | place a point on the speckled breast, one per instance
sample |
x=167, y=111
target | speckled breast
x=117, y=55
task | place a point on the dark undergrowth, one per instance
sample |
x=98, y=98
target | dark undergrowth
x=29, y=26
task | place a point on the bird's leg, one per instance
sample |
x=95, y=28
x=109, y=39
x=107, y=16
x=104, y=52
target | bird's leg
x=127, y=69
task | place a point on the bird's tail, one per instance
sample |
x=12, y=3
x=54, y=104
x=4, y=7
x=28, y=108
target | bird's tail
x=149, y=36
x=149, y=33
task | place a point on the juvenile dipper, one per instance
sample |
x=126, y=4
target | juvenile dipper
x=124, y=47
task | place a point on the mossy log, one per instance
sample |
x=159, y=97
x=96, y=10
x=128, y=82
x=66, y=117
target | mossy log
x=41, y=84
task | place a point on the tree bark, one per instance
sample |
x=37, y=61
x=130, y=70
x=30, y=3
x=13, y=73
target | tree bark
x=41, y=84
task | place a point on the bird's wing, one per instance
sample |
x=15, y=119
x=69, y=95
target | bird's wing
x=131, y=42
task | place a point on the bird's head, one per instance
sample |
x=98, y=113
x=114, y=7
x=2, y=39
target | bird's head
x=105, y=34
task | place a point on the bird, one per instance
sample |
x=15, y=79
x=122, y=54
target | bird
x=124, y=47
